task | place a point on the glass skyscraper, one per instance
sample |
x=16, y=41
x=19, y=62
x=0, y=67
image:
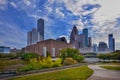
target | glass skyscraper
x=85, y=32
x=111, y=42
x=40, y=27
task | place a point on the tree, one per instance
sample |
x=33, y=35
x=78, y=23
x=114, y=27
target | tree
x=28, y=56
x=80, y=58
x=70, y=52
x=102, y=56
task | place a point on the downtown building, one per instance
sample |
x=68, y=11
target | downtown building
x=81, y=41
x=111, y=43
x=50, y=45
x=103, y=48
x=36, y=35
x=74, y=38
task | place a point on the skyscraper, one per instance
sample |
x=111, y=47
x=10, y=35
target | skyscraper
x=111, y=42
x=29, y=38
x=85, y=32
x=89, y=42
x=81, y=41
x=95, y=48
x=33, y=37
x=74, y=37
x=102, y=47
x=40, y=27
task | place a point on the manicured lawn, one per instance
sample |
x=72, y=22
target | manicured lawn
x=111, y=67
x=77, y=73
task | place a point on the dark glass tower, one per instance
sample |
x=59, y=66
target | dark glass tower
x=74, y=37
x=40, y=28
x=85, y=32
x=111, y=42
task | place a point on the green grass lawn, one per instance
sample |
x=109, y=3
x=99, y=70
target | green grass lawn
x=77, y=73
x=111, y=67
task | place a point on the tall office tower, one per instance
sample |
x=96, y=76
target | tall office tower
x=102, y=46
x=81, y=39
x=95, y=48
x=74, y=37
x=89, y=42
x=111, y=42
x=33, y=37
x=85, y=32
x=29, y=38
x=40, y=27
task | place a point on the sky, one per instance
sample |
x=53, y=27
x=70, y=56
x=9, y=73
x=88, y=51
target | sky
x=17, y=17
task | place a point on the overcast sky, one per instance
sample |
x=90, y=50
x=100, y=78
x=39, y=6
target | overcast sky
x=17, y=17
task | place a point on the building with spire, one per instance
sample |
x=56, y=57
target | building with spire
x=74, y=37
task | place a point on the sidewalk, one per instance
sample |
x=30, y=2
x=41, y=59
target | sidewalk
x=103, y=74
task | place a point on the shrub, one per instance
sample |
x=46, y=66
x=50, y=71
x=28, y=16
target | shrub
x=57, y=63
x=40, y=63
x=69, y=61
x=28, y=56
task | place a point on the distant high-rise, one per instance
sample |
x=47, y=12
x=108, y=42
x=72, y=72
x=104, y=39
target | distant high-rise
x=90, y=42
x=29, y=38
x=40, y=27
x=74, y=37
x=81, y=40
x=111, y=42
x=95, y=48
x=33, y=37
x=102, y=47
x=85, y=32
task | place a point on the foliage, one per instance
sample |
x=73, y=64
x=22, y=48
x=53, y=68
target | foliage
x=111, y=67
x=57, y=63
x=69, y=61
x=28, y=56
x=76, y=73
x=48, y=54
x=70, y=52
x=80, y=58
x=110, y=56
x=40, y=63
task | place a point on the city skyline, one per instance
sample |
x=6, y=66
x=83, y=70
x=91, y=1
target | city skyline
x=19, y=17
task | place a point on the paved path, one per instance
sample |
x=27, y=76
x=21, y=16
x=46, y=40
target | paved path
x=103, y=74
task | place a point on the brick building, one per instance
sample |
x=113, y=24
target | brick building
x=50, y=45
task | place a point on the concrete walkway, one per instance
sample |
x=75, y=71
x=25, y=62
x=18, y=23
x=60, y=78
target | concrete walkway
x=103, y=74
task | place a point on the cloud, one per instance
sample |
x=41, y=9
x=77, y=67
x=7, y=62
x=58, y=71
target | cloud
x=3, y=4
x=59, y=12
x=13, y=4
x=27, y=2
